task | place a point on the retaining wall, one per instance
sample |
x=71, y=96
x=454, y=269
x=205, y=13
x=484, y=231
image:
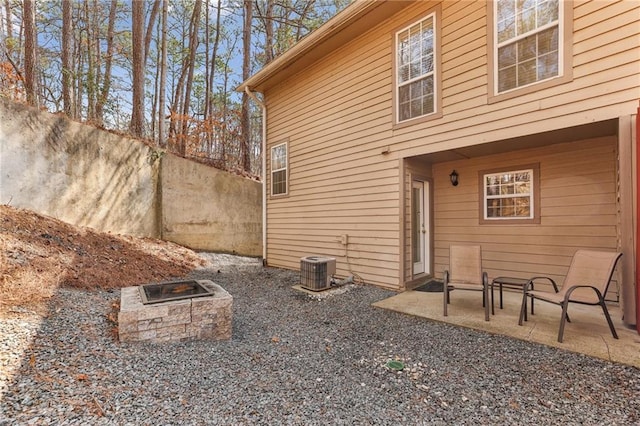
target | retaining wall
x=91, y=177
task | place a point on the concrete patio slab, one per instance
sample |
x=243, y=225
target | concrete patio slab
x=587, y=333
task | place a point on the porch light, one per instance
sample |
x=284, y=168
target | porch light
x=454, y=178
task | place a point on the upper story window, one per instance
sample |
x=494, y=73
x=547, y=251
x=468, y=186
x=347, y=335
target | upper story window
x=279, y=169
x=528, y=42
x=511, y=195
x=416, y=62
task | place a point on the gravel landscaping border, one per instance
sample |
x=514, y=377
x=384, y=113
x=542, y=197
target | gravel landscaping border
x=296, y=359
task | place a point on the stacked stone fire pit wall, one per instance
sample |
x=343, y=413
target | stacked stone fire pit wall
x=197, y=318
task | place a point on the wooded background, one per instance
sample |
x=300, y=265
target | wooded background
x=160, y=70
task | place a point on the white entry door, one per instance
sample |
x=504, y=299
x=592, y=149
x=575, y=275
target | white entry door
x=419, y=227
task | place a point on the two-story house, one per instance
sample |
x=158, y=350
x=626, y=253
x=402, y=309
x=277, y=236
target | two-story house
x=401, y=127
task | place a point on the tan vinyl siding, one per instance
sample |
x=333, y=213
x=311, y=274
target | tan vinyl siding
x=340, y=183
x=338, y=118
x=602, y=88
x=578, y=210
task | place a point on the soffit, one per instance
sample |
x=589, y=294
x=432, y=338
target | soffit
x=570, y=134
x=353, y=21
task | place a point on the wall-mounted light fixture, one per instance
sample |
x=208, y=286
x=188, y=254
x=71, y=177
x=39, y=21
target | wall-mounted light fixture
x=454, y=178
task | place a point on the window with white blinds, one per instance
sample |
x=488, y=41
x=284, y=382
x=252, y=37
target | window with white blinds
x=279, y=169
x=509, y=195
x=416, y=69
x=528, y=42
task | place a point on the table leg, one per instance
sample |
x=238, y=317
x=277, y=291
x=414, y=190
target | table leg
x=493, y=310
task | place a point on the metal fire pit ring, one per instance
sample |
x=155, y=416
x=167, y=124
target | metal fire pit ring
x=172, y=290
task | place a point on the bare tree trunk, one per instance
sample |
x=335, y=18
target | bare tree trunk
x=162, y=141
x=137, y=31
x=268, y=31
x=106, y=84
x=90, y=78
x=151, y=24
x=225, y=111
x=193, y=48
x=79, y=66
x=246, y=71
x=7, y=9
x=156, y=86
x=67, y=65
x=151, y=28
x=30, y=58
x=175, y=124
x=208, y=90
x=211, y=87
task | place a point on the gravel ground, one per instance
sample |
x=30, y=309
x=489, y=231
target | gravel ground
x=299, y=360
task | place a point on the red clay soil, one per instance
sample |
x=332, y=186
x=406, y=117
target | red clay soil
x=39, y=254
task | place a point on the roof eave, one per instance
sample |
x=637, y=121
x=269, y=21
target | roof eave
x=306, y=50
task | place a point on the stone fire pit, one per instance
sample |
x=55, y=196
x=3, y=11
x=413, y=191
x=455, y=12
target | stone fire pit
x=199, y=309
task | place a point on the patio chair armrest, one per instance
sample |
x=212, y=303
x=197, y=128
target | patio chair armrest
x=553, y=283
x=445, y=277
x=485, y=280
x=567, y=295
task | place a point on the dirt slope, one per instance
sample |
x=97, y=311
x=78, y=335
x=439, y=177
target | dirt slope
x=39, y=254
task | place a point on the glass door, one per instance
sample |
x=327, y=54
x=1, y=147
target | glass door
x=419, y=224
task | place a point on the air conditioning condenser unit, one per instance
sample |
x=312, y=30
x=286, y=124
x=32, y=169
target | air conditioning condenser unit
x=316, y=272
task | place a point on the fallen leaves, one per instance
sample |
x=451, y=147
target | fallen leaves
x=39, y=254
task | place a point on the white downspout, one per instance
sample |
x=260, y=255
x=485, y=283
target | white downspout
x=264, y=172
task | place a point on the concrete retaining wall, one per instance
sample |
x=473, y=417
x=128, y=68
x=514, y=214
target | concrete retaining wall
x=89, y=177
x=76, y=173
x=208, y=209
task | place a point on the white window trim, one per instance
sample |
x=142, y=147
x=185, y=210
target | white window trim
x=497, y=45
x=285, y=168
x=434, y=73
x=531, y=195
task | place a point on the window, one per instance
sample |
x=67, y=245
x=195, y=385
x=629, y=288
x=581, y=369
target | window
x=279, y=169
x=510, y=195
x=528, y=43
x=416, y=63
